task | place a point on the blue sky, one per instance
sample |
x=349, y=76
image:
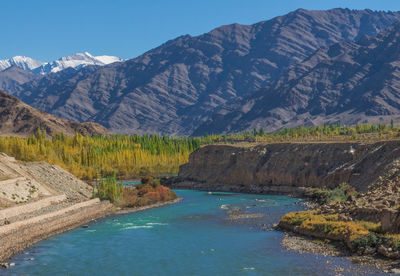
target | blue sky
x=48, y=29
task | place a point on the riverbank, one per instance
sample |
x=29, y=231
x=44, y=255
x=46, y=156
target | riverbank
x=308, y=245
x=39, y=200
x=193, y=237
x=16, y=237
x=19, y=235
x=143, y=208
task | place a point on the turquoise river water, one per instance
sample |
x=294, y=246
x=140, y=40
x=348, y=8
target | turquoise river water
x=192, y=237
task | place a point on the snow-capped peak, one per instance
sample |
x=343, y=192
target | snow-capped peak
x=77, y=60
x=23, y=62
x=108, y=59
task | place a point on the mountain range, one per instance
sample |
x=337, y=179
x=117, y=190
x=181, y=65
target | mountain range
x=232, y=78
x=350, y=83
x=73, y=61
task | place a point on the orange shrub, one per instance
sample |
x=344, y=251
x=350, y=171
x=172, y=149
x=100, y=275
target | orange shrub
x=143, y=195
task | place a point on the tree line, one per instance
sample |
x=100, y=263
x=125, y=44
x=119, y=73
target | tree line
x=132, y=156
x=93, y=157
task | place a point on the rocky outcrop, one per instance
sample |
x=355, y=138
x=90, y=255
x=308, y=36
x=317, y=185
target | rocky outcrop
x=297, y=165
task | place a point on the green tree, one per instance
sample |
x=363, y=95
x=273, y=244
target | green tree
x=255, y=132
x=109, y=188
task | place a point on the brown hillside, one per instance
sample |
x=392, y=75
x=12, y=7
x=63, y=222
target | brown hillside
x=18, y=118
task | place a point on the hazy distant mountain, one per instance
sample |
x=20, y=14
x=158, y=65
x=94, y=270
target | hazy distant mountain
x=13, y=77
x=176, y=87
x=74, y=61
x=19, y=119
x=347, y=82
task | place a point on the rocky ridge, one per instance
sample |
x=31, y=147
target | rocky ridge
x=17, y=118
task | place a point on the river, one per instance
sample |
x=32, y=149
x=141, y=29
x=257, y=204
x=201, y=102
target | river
x=192, y=237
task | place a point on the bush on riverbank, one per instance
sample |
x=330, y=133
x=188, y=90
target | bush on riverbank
x=358, y=235
x=109, y=189
x=145, y=195
x=392, y=240
x=148, y=192
x=339, y=194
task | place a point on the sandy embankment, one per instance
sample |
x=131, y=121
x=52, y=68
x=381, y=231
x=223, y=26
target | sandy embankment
x=19, y=235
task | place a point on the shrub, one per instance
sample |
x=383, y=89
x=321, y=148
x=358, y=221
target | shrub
x=145, y=194
x=109, y=189
x=341, y=193
x=149, y=180
x=392, y=240
x=337, y=195
x=365, y=242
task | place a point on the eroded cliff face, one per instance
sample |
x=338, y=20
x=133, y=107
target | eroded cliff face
x=285, y=167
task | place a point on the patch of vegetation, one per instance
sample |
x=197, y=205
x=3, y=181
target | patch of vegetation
x=338, y=194
x=341, y=194
x=365, y=242
x=109, y=189
x=391, y=240
x=297, y=218
x=361, y=235
x=145, y=195
x=372, y=226
x=148, y=192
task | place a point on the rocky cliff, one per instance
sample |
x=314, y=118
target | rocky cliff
x=287, y=167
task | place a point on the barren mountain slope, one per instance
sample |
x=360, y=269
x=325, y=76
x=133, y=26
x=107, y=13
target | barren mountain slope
x=18, y=118
x=347, y=82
